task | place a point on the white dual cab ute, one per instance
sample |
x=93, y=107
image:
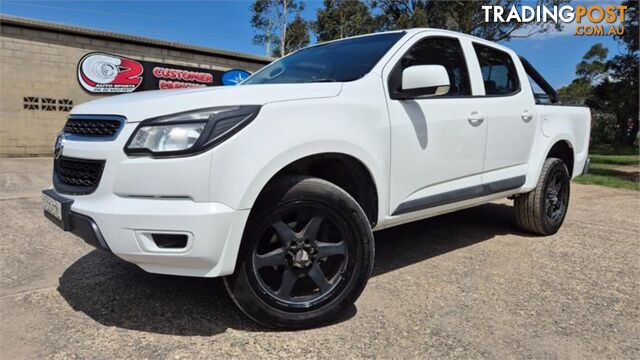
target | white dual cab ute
x=278, y=183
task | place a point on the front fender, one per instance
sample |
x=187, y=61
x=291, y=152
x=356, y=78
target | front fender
x=289, y=131
x=281, y=160
x=286, y=132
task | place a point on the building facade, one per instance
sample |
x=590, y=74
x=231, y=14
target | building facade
x=40, y=77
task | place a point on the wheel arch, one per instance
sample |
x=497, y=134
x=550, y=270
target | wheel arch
x=341, y=169
x=559, y=146
x=563, y=150
x=280, y=166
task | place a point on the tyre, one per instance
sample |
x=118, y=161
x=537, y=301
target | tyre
x=306, y=255
x=542, y=211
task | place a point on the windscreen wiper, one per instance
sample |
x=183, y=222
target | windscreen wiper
x=320, y=80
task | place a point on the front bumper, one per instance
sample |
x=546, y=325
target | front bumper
x=125, y=227
x=140, y=196
x=82, y=226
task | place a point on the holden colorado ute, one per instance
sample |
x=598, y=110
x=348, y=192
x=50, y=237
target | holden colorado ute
x=278, y=183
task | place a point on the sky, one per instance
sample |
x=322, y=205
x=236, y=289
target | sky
x=226, y=25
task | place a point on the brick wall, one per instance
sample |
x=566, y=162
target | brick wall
x=42, y=64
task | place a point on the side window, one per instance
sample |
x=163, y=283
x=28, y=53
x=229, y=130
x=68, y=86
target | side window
x=498, y=72
x=540, y=96
x=543, y=92
x=441, y=51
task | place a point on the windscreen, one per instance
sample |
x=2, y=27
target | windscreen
x=339, y=61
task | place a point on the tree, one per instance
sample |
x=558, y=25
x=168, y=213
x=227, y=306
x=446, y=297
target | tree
x=620, y=96
x=271, y=20
x=630, y=35
x=297, y=37
x=589, y=71
x=610, y=87
x=594, y=64
x=463, y=16
x=576, y=93
x=619, y=92
x=343, y=18
x=624, y=69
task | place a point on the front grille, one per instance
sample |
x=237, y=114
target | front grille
x=93, y=126
x=76, y=176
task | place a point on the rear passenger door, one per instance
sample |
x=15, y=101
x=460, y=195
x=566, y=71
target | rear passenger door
x=511, y=117
x=437, y=142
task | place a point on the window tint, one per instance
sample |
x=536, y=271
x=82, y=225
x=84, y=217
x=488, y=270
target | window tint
x=540, y=96
x=442, y=51
x=543, y=92
x=343, y=60
x=498, y=72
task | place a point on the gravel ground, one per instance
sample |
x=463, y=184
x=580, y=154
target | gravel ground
x=463, y=285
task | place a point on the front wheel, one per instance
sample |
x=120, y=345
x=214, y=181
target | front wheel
x=542, y=211
x=307, y=254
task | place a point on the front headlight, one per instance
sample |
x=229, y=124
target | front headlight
x=167, y=137
x=189, y=132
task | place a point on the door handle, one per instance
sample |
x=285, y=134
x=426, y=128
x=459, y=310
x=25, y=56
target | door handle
x=475, y=118
x=526, y=116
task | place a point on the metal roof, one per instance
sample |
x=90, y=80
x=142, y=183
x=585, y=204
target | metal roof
x=94, y=33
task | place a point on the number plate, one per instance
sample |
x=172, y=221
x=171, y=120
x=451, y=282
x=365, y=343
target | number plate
x=52, y=206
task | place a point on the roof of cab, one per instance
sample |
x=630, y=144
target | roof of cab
x=414, y=31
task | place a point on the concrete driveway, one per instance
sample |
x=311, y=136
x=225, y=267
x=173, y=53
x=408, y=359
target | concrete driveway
x=465, y=285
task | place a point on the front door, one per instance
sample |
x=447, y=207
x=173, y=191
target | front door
x=437, y=143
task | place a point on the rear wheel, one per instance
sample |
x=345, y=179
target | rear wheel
x=307, y=254
x=542, y=211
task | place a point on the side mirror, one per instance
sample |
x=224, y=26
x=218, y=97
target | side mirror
x=425, y=80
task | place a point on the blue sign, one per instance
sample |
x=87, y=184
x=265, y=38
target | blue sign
x=234, y=77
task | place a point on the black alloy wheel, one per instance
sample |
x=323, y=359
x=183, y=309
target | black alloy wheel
x=300, y=259
x=556, y=196
x=542, y=211
x=306, y=255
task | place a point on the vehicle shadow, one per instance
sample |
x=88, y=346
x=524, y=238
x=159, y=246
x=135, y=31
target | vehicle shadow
x=408, y=244
x=115, y=293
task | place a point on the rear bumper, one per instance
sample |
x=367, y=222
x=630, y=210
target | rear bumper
x=585, y=168
x=125, y=226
